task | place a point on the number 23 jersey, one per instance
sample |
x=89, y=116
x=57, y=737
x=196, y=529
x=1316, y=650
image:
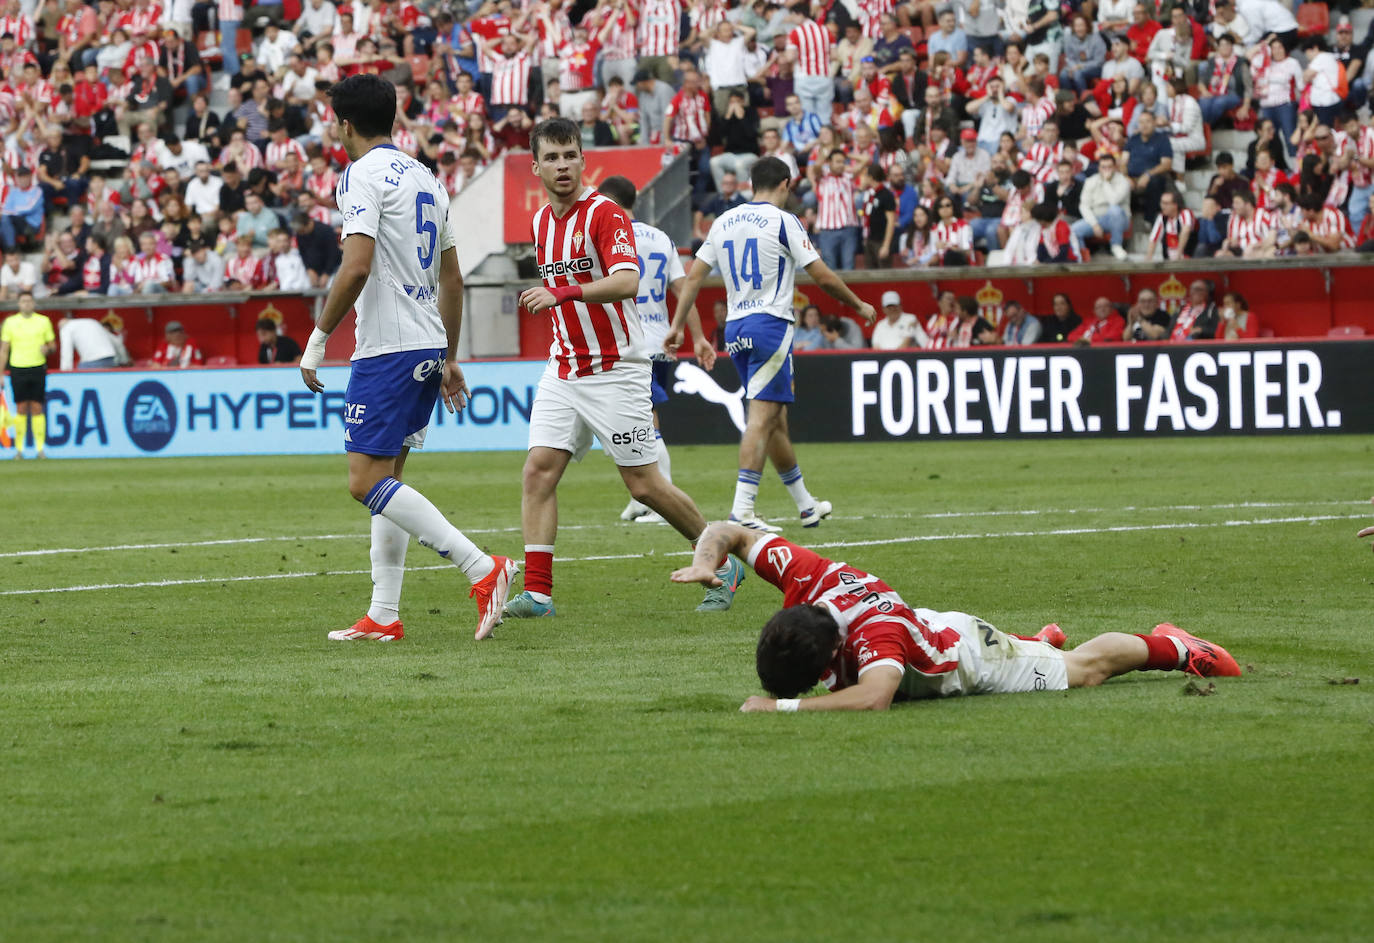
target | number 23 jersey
x=395, y=200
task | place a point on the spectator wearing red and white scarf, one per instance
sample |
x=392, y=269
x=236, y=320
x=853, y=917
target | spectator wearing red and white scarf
x=1199, y=318
x=1226, y=78
x=1057, y=241
x=1025, y=189
x=1174, y=229
x=1329, y=228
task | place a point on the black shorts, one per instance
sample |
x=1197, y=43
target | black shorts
x=30, y=384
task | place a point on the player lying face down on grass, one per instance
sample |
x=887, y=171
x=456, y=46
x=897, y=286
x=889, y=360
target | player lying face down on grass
x=850, y=631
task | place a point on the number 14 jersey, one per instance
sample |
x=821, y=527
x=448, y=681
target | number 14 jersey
x=758, y=249
x=395, y=200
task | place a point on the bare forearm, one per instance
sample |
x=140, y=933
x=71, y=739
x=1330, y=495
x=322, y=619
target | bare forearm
x=348, y=285
x=835, y=287
x=451, y=313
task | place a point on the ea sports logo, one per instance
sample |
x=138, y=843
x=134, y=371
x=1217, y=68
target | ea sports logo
x=150, y=416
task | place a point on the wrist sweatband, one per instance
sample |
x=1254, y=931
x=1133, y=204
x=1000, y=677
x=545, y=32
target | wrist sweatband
x=566, y=293
x=313, y=355
x=788, y=705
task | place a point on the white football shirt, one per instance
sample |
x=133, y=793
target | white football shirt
x=659, y=267
x=758, y=249
x=394, y=199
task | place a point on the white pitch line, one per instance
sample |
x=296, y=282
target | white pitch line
x=931, y=515
x=876, y=542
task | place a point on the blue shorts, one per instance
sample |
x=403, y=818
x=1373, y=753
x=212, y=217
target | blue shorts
x=761, y=347
x=390, y=400
x=660, y=375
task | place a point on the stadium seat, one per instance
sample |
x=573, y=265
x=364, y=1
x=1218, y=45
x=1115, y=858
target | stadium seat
x=1346, y=330
x=1314, y=19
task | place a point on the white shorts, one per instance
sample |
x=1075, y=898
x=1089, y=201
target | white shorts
x=992, y=662
x=614, y=406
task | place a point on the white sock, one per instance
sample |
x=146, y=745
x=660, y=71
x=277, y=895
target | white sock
x=389, y=543
x=796, y=487
x=665, y=464
x=746, y=490
x=418, y=517
x=1182, y=650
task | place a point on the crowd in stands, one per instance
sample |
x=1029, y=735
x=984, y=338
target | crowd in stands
x=960, y=322
x=921, y=134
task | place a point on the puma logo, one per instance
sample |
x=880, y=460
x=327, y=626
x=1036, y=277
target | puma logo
x=694, y=381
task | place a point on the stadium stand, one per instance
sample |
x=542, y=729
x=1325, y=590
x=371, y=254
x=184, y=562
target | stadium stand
x=201, y=121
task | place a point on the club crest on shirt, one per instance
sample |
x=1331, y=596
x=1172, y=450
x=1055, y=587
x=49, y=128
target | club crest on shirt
x=577, y=241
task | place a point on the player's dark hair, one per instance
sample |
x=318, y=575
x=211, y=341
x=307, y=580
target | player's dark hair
x=621, y=190
x=267, y=324
x=1245, y=195
x=556, y=131
x=769, y=173
x=368, y=102
x=1020, y=179
x=795, y=647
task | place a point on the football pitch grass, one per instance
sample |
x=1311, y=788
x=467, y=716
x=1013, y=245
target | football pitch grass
x=194, y=761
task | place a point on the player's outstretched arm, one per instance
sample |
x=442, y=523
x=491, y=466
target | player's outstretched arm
x=715, y=542
x=348, y=285
x=835, y=287
x=686, y=303
x=455, y=386
x=614, y=287
x=874, y=692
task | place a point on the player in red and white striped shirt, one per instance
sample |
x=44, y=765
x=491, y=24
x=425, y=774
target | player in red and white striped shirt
x=1174, y=228
x=510, y=71
x=597, y=381
x=659, y=22
x=851, y=632
x=808, y=46
x=1327, y=226
x=1251, y=232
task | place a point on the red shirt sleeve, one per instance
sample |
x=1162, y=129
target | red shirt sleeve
x=795, y=570
x=614, y=238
